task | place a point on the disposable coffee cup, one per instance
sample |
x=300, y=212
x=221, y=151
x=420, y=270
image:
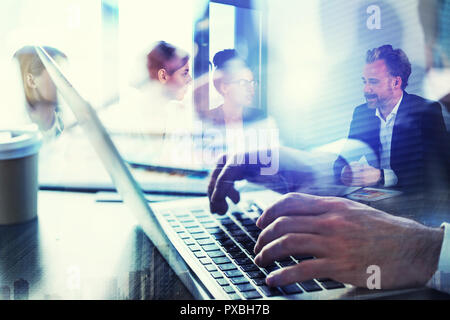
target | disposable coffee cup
x=19, y=151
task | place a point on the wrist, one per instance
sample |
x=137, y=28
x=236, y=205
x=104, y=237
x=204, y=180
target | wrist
x=431, y=250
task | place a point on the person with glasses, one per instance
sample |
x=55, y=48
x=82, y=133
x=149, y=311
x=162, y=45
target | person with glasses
x=235, y=82
x=236, y=119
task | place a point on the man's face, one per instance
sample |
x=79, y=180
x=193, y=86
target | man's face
x=378, y=84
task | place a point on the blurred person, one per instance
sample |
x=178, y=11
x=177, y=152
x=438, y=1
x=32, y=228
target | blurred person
x=169, y=66
x=435, y=21
x=234, y=81
x=406, y=132
x=41, y=100
x=237, y=125
x=156, y=105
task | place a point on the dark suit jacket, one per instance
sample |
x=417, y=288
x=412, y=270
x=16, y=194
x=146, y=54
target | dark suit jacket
x=420, y=148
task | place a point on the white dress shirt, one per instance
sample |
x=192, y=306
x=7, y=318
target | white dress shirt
x=386, y=128
x=441, y=279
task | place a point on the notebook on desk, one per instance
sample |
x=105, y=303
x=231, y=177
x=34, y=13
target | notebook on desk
x=212, y=255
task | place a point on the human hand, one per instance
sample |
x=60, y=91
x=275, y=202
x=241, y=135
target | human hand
x=346, y=238
x=286, y=171
x=360, y=175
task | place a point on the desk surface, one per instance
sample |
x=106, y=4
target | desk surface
x=82, y=249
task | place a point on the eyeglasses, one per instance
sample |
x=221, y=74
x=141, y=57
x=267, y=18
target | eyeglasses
x=246, y=83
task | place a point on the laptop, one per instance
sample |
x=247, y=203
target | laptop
x=212, y=255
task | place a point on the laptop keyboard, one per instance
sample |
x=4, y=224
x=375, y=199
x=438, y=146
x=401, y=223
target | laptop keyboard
x=224, y=245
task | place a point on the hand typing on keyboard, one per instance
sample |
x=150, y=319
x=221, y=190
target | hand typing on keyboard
x=289, y=170
x=346, y=238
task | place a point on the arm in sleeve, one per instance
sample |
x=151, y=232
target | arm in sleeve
x=441, y=278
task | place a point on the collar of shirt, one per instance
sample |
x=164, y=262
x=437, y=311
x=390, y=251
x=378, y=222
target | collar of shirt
x=390, y=115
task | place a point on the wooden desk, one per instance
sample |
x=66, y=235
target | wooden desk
x=81, y=249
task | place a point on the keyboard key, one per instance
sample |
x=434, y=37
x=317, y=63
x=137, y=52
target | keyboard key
x=194, y=248
x=292, y=289
x=256, y=274
x=241, y=261
x=216, y=274
x=270, y=291
x=197, y=211
x=178, y=229
x=234, y=296
x=220, y=235
x=222, y=282
x=226, y=242
x=237, y=254
x=214, y=230
x=248, y=222
x=206, y=220
x=210, y=225
x=232, y=227
x=199, y=236
x=249, y=267
x=271, y=267
x=243, y=239
x=189, y=241
x=232, y=248
x=253, y=228
x=199, y=254
x=310, y=286
x=239, y=280
x=210, y=267
x=204, y=242
x=184, y=235
x=331, y=284
x=251, y=253
x=220, y=260
x=210, y=247
x=245, y=287
x=237, y=214
x=205, y=261
x=226, y=266
x=226, y=221
x=195, y=230
x=181, y=213
x=228, y=289
x=189, y=223
x=233, y=273
x=218, y=256
x=251, y=294
x=259, y=281
x=236, y=233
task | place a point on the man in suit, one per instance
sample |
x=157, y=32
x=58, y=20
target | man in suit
x=408, y=145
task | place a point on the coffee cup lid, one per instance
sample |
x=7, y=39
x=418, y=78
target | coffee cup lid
x=19, y=142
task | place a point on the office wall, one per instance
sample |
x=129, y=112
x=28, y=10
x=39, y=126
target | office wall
x=316, y=56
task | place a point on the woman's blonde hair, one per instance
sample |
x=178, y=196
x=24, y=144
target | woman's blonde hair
x=30, y=63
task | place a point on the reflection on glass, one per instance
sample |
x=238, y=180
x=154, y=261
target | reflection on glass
x=41, y=100
x=234, y=81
